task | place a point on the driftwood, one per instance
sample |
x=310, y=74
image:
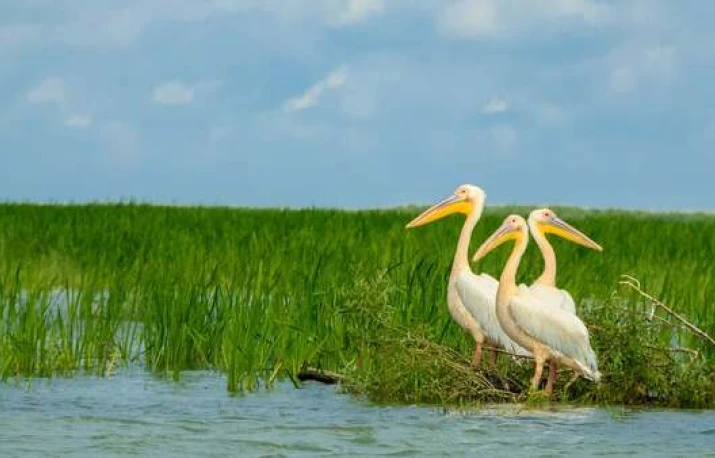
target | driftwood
x=635, y=285
x=320, y=375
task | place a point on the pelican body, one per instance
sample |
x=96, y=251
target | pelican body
x=542, y=326
x=470, y=297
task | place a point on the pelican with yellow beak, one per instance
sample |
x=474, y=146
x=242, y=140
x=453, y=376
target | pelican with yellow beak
x=470, y=297
x=541, y=222
x=545, y=221
x=543, y=327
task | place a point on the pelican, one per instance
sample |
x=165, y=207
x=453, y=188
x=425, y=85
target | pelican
x=542, y=327
x=470, y=297
x=545, y=221
x=541, y=222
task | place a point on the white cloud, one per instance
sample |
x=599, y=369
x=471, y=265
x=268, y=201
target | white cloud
x=54, y=93
x=479, y=19
x=336, y=78
x=496, y=105
x=311, y=97
x=79, y=121
x=469, y=19
x=181, y=93
x=50, y=90
x=357, y=11
x=173, y=93
x=122, y=142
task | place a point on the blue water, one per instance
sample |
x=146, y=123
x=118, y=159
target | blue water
x=137, y=414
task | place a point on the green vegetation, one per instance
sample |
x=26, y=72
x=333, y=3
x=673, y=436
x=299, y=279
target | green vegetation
x=260, y=294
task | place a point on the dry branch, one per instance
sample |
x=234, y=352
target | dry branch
x=675, y=350
x=634, y=284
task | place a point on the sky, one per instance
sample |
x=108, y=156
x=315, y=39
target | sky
x=358, y=103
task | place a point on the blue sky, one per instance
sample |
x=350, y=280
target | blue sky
x=358, y=103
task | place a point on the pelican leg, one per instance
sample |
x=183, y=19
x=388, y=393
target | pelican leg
x=539, y=360
x=477, y=356
x=493, y=357
x=479, y=338
x=539, y=366
x=553, y=371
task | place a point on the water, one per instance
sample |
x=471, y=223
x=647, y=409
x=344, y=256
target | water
x=136, y=414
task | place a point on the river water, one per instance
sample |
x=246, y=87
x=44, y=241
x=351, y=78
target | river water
x=136, y=414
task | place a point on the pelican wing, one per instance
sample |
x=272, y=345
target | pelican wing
x=478, y=295
x=551, y=295
x=556, y=328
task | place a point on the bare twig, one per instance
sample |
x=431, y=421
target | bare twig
x=500, y=350
x=651, y=317
x=675, y=350
x=634, y=284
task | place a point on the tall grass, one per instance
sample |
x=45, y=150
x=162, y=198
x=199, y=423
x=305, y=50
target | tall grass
x=261, y=293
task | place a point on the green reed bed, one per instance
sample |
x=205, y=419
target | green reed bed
x=261, y=294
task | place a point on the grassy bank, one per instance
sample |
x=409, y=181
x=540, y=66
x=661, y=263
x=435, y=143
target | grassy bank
x=260, y=293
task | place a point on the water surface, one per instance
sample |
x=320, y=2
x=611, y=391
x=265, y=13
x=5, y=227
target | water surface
x=137, y=414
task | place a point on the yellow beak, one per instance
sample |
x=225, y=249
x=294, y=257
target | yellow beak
x=501, y=235
x=448, y=206
x=559, y=227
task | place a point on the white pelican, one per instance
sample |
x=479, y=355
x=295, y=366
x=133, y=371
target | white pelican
x=470, y=297
x=542, y=327
x=541, y=222
x=545, y=221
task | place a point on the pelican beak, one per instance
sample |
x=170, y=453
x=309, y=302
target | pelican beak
x=559, y=227
x=448, y=206
x=501, y=235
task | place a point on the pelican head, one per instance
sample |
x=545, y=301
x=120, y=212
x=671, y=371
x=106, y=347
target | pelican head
x=465, y=199
x=514, y=227
x=546, y=221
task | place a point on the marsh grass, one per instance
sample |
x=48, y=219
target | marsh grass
x=260, y=294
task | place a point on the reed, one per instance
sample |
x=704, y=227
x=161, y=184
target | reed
x=261, y=293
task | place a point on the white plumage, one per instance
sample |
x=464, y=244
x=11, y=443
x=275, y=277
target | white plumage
x=478, y=295
x=561, y=331
x=557, y=296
